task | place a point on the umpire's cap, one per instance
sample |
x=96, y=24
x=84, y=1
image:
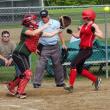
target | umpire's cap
x=44, y=13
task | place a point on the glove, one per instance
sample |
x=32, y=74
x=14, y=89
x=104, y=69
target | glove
x=93, y=29
x=69, y=31
x=65, y=21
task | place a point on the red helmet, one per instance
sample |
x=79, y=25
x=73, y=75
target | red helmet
x=88, y=13
x=27, y=20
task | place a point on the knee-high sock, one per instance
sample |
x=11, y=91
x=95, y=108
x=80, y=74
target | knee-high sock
x=73, y=73
x=89, y=75
x=24, y=81
x=14, y=83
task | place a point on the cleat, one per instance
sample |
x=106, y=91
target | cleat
x=36, y=85
x=21, y=96
x=69, y=89
x=97, y=84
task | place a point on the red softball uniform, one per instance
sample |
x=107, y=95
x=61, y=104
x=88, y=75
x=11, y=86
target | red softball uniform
x=87, y=37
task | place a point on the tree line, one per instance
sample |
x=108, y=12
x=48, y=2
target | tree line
x=75, y=2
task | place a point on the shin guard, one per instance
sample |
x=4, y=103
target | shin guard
x=14, y=83
x=73, y=73
x=24, y=81
x=89, y=75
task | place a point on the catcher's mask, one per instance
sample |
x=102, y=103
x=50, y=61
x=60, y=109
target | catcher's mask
x=27, y=20
x=89, y=14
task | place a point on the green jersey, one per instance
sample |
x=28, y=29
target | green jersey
x=21, y=47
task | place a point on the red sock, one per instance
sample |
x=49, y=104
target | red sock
x=89, y=75
x=73, y=73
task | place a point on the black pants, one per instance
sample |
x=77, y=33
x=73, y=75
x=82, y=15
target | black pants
x=22, y=61
x=79, y=60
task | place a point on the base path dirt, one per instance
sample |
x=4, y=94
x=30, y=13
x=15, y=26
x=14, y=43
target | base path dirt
x=49, y=97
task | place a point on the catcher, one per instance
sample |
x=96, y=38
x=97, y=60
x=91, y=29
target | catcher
x=28, y=43
x=87, y=33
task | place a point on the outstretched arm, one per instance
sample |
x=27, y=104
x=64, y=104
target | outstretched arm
x=36, y=31
x=76, y=35
x=50, y=34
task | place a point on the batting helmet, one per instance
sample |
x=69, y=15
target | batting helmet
x=89, y=13
x=27, y=20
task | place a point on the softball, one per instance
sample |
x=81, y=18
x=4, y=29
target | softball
x=106, y=9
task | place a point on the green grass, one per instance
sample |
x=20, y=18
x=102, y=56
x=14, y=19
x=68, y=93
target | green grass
x=7, y=73
x=74, y=10
x=11, y=25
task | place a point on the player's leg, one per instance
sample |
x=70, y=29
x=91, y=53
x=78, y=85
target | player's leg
x=76, y=67
x=12, y=84
x=23, y=65
x=23, y=83
x=84, y=72
x=24, y=77
x=96, y=80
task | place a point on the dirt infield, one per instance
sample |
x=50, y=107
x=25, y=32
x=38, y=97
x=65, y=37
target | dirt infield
x=50, y=97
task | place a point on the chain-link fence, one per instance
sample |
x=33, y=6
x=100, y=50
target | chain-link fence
x=10, y=19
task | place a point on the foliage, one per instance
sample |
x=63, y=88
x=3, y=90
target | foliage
x=75, y=2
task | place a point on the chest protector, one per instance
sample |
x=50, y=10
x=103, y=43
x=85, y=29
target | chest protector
x=31, y=42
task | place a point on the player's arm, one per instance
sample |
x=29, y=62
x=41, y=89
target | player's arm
x=74, y=34
x=47, y=34
x=97, y=31
x=36, y=31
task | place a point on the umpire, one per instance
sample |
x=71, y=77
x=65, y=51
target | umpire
x=49, y=48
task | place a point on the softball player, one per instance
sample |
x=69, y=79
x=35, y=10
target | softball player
x=87, y=33
x=29, y=38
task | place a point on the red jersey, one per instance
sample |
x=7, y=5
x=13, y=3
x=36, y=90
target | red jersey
x=31, y=42
x=86, y=35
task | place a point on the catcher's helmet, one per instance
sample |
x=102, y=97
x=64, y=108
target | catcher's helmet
x=89, y=13
x=27, y=20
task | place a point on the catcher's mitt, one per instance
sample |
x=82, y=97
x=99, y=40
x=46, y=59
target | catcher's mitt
x=65, y=21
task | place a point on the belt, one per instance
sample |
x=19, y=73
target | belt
x=51, y=45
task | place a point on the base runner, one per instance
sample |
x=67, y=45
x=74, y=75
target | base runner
x=87, y=33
